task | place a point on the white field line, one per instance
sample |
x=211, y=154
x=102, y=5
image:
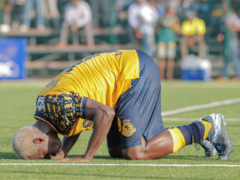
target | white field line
x=202, y=106
x=192, y=119
x=143, y=165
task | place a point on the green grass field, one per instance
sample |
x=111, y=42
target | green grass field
x=17, y=106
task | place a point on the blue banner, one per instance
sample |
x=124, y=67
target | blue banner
x=13, y=55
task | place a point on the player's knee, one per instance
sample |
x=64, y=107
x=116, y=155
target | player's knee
x=115, y=152
x=111, y=153
x=132, y=154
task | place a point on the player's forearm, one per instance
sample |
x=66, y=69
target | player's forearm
x=68, y=143
x=102, y=122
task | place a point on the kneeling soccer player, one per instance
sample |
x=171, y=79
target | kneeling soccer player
x=117, y=94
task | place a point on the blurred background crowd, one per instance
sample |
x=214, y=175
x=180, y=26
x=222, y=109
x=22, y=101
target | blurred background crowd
x=170, y=31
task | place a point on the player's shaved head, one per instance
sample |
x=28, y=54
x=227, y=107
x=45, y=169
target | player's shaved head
x=38, y=141
x=23, y=142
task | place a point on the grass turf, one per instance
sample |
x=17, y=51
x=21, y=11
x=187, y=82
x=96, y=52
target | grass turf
x=17, y=105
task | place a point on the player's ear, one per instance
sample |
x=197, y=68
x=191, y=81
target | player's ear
x=37, y=140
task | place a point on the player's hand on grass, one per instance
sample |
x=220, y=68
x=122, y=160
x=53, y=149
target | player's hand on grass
x=59, y=155
x=80, y=159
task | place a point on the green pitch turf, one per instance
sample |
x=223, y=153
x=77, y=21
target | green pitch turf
x=17, y=105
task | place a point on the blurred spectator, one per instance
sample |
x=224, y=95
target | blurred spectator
x=51, y=11
x=7, y=7
x=100, y=8
x=233, y=24
x=121, y=7
x=187, y=4
x=202, y=10
x=160, y=5
x=180, y=11
x=193, y=30
x=142, y=18
x=161, y=9
x=78, y=15
x=133, y=20
x=28, y=6
x=218, y=11
x=12, y=10
x=167, y=41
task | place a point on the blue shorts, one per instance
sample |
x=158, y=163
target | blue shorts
x=138, y=110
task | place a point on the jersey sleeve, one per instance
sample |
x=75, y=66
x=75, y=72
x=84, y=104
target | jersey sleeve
x=61, y=111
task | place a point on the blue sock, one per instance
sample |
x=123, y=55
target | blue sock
x=193, y=132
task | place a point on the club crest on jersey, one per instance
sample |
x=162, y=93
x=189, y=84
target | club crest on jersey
x=87, y=123
x=128, y=128
x=40, y=103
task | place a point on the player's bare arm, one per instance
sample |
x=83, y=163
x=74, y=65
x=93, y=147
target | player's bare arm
x=102, y=117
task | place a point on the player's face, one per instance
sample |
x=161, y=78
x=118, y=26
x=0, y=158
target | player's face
x=54, y=145
x=39, y=154
x=47, y=147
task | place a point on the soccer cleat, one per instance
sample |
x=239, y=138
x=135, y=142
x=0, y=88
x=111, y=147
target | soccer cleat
x=210, y=150
x=218, y=136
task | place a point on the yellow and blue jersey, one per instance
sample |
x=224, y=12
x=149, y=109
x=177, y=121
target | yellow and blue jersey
x=102, y=77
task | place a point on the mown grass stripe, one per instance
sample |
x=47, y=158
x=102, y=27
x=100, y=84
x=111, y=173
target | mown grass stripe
x=144, y=165
x=201, y=106
x=192, y=119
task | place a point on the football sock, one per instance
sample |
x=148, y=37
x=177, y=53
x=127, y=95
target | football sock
x=208, y=126
x=184, y=135
x=178, y=139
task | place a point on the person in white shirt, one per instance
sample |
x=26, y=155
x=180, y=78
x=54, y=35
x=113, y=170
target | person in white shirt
x=78, y=15
x=142, y=17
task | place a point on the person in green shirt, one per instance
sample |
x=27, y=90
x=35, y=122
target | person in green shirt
x=170, y=25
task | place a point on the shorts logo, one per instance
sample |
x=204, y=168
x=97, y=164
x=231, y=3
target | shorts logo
x=119, y=125
x=128, y=128
x=87, y=123
x=40, y=103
